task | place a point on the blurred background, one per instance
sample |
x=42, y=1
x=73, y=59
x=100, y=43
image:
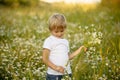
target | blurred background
x=93, y=23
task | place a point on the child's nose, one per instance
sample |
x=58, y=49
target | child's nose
x=60, y=34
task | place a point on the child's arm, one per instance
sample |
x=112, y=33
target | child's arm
x=71, y=56
x=46, y=60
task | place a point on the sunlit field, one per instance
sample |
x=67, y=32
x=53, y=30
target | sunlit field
x=23, y=30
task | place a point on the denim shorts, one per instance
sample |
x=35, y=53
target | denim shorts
x=55, y=77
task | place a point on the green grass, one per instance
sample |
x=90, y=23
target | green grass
x=23, y=30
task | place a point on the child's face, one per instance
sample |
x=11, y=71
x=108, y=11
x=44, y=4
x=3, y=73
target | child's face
x=58, y=33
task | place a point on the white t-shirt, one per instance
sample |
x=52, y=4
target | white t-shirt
x=59, y=49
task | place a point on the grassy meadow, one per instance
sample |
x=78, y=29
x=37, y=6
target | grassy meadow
x=23, y=30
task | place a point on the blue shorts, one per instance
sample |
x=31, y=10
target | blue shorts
x=55, y=77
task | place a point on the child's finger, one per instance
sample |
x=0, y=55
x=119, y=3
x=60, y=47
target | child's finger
x=85, y=49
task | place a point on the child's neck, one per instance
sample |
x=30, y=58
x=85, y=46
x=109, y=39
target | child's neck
x=57, y=37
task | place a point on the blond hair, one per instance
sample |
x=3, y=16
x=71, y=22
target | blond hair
x=57, y=21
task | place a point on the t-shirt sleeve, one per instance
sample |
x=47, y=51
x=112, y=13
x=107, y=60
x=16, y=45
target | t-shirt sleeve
x=47, y=44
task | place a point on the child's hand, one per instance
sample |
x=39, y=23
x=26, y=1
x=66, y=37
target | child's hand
x=85, y=49
x=60, y=69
